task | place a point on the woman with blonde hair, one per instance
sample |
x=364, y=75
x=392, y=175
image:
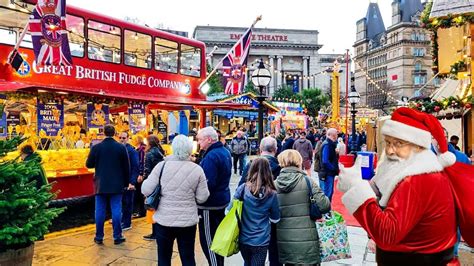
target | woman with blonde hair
x=297, y=237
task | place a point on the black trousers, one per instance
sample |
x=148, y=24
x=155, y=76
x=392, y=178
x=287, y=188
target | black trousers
x=139, y=200
x=210, y=220
x=273, y=247
x=165, y=237
x=388, y=258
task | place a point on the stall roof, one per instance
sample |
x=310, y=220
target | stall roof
x=229, y=99
x=449, y=88
x=158, y=102
x=443, y=8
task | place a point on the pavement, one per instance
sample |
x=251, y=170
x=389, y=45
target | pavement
x=76, y=247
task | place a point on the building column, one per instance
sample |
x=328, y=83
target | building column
x=280, y=72
x=305, y=78
x=271, y=86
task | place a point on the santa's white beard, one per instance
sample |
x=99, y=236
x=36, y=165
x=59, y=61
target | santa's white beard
x=391, y=166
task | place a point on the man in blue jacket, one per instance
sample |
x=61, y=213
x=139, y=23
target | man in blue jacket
x=217, y=165
x=112, y=176
x=329, y=163
x=134, y=172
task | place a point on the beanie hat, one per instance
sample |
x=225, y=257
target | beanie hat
x=419, y=128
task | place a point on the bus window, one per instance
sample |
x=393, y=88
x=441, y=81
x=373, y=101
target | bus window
x=13, y=17
x=166, y=55
x=26, y=42
x=75, y=26
x=7, y=36
x=103, y=42
x=190, y=60
x=137, y=49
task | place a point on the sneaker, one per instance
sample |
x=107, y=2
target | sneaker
x=126, y=228
x=119, y=241
x=98, y=241
x=149, y=237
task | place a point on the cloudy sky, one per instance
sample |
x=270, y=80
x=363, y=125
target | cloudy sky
x=334, y=19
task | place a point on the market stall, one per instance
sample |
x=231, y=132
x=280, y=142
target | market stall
x=289, y=116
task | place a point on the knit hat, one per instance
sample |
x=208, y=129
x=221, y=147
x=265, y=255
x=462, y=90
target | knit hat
x=419, y=128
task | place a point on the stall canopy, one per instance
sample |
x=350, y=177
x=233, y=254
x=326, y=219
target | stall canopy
x=449, y=88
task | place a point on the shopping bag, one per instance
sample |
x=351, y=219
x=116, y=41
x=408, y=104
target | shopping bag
x=226, y=239
x=149, y=217
x=333, y=240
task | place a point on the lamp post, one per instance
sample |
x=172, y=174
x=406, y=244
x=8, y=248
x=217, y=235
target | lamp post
x=261, y=78
x=353, y=98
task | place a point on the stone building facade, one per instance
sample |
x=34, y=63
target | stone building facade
x=397, y=59
x=291, y=55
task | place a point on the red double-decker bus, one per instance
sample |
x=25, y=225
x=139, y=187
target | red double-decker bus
x=112, y=59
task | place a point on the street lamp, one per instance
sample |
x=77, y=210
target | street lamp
x=261, y=78
x=353, y=98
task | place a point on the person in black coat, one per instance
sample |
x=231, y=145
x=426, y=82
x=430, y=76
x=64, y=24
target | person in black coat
x=154, y=155
x=111, y=178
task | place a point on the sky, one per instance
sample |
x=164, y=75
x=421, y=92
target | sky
x=334, y=19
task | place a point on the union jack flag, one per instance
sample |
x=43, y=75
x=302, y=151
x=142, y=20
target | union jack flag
x=47, y=26
x=234, y=64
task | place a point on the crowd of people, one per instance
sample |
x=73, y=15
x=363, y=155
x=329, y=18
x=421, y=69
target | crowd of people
x=274, y=188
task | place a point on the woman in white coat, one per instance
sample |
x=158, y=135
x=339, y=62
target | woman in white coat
x=183, y=186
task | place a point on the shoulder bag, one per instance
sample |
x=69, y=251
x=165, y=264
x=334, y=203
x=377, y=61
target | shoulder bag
x=152, y=201
x=314, y=212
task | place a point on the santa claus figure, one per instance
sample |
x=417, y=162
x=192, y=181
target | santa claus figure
x=410, y=206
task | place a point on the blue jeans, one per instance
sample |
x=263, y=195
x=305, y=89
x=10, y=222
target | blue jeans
x=456, y=246
x=327, y=186
x=127, y=208
x=115, y=201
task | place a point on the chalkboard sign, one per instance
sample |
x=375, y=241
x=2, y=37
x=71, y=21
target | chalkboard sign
x=162, y=129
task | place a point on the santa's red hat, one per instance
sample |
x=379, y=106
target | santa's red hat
x=419, y=128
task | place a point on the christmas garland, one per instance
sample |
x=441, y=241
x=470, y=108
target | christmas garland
x=447, y=108
x=433, y=24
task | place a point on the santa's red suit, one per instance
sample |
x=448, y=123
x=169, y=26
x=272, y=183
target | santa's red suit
x=410, y=210
x=417, y=214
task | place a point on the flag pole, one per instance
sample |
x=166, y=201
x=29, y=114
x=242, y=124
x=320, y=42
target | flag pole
x=17, y=45
x=220, y=62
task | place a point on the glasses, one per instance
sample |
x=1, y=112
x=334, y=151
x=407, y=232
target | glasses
x=395, y=144
x=123, y=137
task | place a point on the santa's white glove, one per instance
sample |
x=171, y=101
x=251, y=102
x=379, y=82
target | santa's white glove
x=349, y=177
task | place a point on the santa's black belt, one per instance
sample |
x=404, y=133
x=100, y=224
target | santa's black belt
x=388, y=258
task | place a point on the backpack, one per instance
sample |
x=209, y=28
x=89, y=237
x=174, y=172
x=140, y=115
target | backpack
x=317, y=156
